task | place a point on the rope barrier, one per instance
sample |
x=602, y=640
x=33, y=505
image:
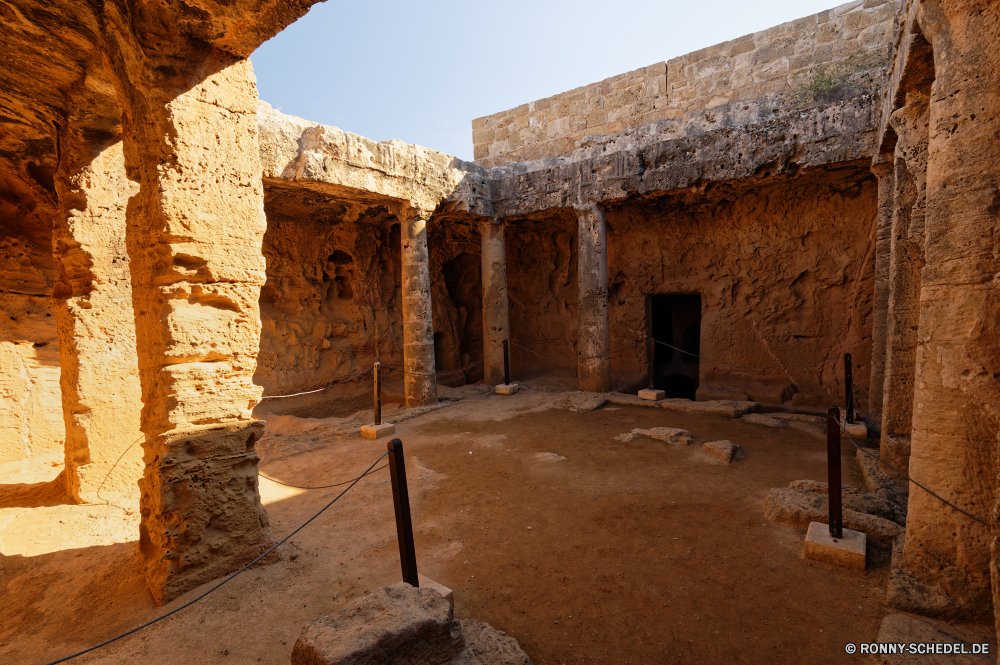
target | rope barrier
x=321, y=487
x=436, y=375
x=195, y=600
x=907, y=476
x=723, y=362
x=559, y=358
x=319, y=390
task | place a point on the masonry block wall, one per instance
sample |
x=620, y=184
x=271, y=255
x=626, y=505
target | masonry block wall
x=810, y=61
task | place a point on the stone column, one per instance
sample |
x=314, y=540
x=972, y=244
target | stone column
x=883, y=170
x=418, y=314
x=945, y=565
x=594, y=347
x=93, y=305
x=194, y=238
x=496, y=309
x=906, y=260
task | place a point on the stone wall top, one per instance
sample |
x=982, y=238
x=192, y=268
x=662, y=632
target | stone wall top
x=794, y=64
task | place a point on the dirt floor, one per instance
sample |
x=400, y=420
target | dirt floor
x=583, y=548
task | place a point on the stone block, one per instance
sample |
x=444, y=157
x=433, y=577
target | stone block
x=398, y=624
x=847, y=551
x=761, y=419
x=724, y=450
x=651, y=394
x=376, y=431
x=856, y=430
x=428, y=583
x=506, y=389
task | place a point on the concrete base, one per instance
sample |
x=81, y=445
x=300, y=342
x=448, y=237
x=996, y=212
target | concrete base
x=506, y=389
x=652, y=395
x=847, y=551
x=428, y=583
x=375, y=431
x=857, y=429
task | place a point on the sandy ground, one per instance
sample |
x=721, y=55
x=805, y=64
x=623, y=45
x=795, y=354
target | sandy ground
x=585, y=549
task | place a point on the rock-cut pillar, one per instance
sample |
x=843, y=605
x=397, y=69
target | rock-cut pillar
x=418, y=314
x=593, y=333
x=883, y=170
x=99, y=374
x=905, y=262
x=194, y=238
x=496, y=309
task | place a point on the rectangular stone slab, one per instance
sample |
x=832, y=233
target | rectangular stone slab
x=846, y=551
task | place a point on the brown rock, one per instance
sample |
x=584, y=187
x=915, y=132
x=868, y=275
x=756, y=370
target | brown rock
x=724, y=450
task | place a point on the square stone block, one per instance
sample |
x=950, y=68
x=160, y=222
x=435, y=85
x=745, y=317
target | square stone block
x=428, y=583
x=857, y=430
x=506, y=389
x=847, y=551
x=375, y=431
x=651, y=394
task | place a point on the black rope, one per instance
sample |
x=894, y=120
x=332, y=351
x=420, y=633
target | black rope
x=319, y=390
x=192, y=602
x=723, y=362
x=907, y=476
x=322, y=487
x=558, y=358
x=478, y=362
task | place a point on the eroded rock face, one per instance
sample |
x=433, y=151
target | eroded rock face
x=403, y=625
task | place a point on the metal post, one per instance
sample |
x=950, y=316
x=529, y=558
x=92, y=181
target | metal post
x=652, y=364
x=401, y=501
x=378, y=393
x=833, y=472
x=849, y=386
x=506, y=363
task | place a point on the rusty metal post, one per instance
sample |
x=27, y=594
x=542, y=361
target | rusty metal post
x=506, y=363
x=849, y=386
x=833, y=472
x=378, y=393
x=401, y=502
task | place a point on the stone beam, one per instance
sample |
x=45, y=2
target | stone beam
x=418, y=314
x=496, y=308
x=594, y=332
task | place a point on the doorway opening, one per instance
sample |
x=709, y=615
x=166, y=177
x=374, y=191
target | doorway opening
x=676, y=320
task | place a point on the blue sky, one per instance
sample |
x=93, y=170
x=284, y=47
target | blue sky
x=421, y=72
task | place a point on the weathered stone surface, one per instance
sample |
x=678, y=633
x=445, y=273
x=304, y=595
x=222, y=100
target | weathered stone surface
x=93, y=298
x=807, y=503
x=908, y=629
x=671, y=435
x=594, y=340
x=403, y=625
x=496, y=306
x=491, y=646
x=949, y=564
x=762, y=419
x=724, y=450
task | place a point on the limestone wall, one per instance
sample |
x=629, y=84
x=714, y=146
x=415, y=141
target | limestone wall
x=31, y=419
x=826, y=57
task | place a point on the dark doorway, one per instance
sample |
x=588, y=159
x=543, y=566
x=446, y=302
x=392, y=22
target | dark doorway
x=676, y=320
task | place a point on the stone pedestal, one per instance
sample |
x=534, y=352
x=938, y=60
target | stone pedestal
x=651, y=394
x=847, y=551
x=506, y=389
x=594, y=346
x=496, y=310
x=377, y=431
x=418, y=316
